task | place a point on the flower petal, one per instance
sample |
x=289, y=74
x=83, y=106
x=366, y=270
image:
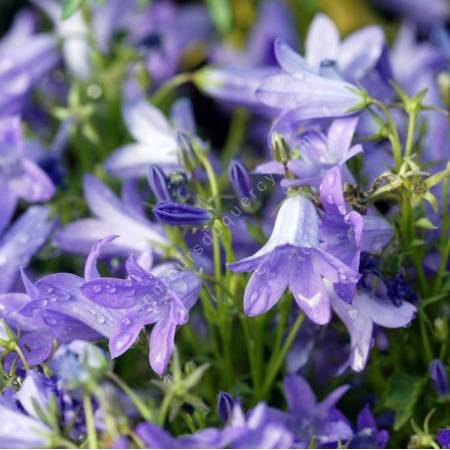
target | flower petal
x=340, y=135
x=267, y=283
x=90, y=267
x=161, y=345
x=299, y=396
x=124, y=335
x=110, y=292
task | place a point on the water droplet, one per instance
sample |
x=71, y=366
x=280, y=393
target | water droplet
x=342, y=209
x=122, y=341
x=97, y=288
x=126, y=321
x=111, y=289
x=330, y=199
x=353, y=313
x=101, y=319
x=2, y=260
x=342, y=276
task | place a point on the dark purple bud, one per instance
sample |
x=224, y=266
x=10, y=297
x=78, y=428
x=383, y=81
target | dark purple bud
x=172, y=213
x=158, y=184
x=439, y=377
x=225, y=405
x=240, y=179
x=443, y=438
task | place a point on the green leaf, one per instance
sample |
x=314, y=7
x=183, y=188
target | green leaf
x=401, y=396
x=221, y=14
x=426, y=223
x=70, y=7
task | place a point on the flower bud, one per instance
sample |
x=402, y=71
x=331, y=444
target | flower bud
x=280, y=148
x=439, y=377
x=239, y=179
x=172, y=213
x=187, y=156
x=225, y=405
x=158, y=184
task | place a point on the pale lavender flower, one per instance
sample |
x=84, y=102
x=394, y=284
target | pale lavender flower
x=163, y=297
x=156, y=136
x=301, y=92
x=360, y=317
x=124, y=217
x=20, y=177
x=25, y=57
x=293, y=258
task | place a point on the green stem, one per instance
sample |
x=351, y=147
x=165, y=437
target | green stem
x=235, y=134
x=275, y=367
x=140, y=406
x=172, y=84
x=22, y=356
x=165, y=408
x=89, y=417
x=412, y=120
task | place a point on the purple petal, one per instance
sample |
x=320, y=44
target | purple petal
x=124, y=335
x=308, y=290
x=23, y=239
x=267, y=283
x=34, y=185
x=290, y=61
x=161, y=345
x=7, y=206
x=10, y=306
x=154, y=436
x=366, y=420
x=329, y=402
x=299, y=396
x=340, y=135
x=376, y=234
x=322, y=42
x=331, y=193
x=110, y=292
x=361, y=51
x=182, y=116
x=37, y=346
x=90, y=267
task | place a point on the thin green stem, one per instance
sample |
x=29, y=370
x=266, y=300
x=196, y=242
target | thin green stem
x=89, y=417
x=22, y=356
x=172, y=84
x=140, y=406
x=165, y=406
x=275, y=367
x=412, y=121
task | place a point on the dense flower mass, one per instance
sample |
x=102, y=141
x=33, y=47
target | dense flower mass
x=224, y=224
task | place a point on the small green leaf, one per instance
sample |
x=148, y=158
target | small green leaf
x=401, y=396
x=221, y=14
x=70, y=7
x=426, y=223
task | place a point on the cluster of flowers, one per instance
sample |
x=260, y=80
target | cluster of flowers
x=345, y=211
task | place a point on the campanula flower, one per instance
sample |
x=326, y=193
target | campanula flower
x=301, y=92
x=293, y=258
x=155, y=136
x=163, y=298
x=172, y=213
x=308, y=419
x=360, y=317
x=20, y=178
x=439, y=377
x=368, y=435
x=124, y=217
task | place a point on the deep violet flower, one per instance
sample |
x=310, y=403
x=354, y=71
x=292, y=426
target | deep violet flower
x=439, y=377
x=292, y=258
x=20, y=177
x=360, y=317
x=307, y=418
x=163, y=298
x=124, y=217
x=368, y=435
x=225, y=405
x=172, y=213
